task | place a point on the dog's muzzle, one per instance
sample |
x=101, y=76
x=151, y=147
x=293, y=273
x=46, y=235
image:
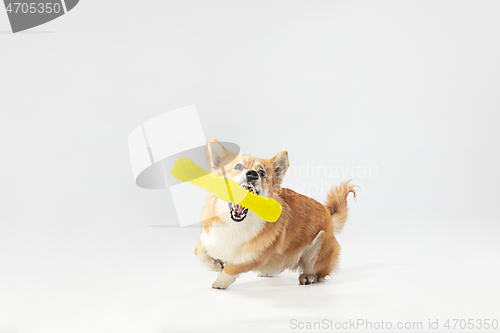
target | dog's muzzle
x=237, y=212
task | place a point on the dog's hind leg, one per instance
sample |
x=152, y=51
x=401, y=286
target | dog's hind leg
x=308, y=260
x=328, y=257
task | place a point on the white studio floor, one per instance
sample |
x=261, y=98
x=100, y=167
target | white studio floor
x=396, y=277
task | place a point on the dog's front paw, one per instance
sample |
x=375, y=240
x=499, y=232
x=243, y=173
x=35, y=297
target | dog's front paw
x=307, y=278
x=211, y=264
x=223, y=281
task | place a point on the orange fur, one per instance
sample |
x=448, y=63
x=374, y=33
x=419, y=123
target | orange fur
x=288, y=243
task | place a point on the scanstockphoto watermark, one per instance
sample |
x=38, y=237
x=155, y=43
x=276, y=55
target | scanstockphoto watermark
x=26, y=14
x=313, y=170
x=323, y=177
x=366, y=324
x=361, y=324
x=155, y=145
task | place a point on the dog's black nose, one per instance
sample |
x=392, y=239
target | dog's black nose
x=252, y=175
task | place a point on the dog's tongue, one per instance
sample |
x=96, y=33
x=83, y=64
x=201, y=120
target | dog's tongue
x=238, y=209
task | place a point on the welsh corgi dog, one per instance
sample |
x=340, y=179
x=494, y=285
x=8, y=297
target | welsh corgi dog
x=235, y=240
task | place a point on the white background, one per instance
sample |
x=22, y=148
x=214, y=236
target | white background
x=411, y=88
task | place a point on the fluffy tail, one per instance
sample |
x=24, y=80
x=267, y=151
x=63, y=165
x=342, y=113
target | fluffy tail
x=336, y=202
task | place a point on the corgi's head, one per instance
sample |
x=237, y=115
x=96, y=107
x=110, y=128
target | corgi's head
x=260, y=176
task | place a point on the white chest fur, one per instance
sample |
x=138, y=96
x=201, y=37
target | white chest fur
x=223, y=241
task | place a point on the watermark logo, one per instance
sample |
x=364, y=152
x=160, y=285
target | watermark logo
x=24, y=15
x=178, y=135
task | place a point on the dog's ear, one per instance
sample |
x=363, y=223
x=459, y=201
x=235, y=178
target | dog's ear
x=280, y=164
x=216, y=153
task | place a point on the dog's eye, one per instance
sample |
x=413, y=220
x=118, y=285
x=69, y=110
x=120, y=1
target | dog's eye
x=262, y=173
x=239, y=167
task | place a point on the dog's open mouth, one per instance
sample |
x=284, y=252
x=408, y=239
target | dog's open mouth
x=237, y=212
